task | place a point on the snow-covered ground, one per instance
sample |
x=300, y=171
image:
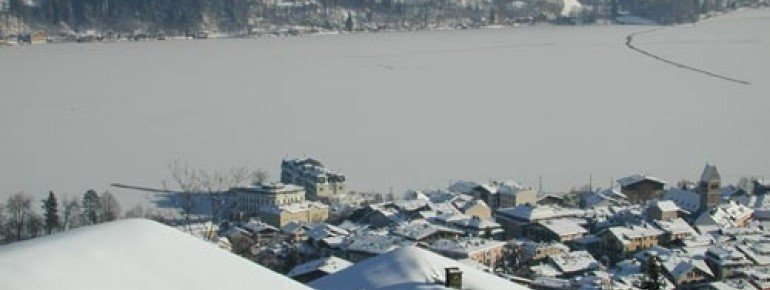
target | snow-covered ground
x=130, y=254
x=392, y=109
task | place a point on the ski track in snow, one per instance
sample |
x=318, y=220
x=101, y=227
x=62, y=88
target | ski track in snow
x=630, y=44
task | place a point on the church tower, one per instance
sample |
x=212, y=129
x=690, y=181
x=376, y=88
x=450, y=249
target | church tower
x=709, y=188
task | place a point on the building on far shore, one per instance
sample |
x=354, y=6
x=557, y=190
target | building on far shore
x=319, y=182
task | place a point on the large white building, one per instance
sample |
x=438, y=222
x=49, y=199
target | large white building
x=319, y=182
x=252, y=199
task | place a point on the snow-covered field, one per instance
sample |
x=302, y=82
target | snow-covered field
x=407, y=110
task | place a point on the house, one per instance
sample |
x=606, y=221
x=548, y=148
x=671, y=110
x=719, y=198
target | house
x=664, y=210
x=423, y=231
x=757, y=252
x=535, y=251
x=641, y=188
x=684, y=272
x=515, y=219
x=726, y=215
x=560, y=230
x=476, y=226
x=606, y=197
x=483, y=251
x=318, y=268
x=497, y=194
x=726, y=261
x=676, y=229
x=622, y=240
x=574, y=263
x=306, y=212
x=472, y=207
x=512, y=194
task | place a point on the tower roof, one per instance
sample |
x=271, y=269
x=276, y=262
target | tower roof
x=710, y=173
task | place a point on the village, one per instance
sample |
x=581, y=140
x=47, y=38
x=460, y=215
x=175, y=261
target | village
x=641, y=232
x=21, y=23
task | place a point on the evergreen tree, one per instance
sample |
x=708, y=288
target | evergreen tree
x=349, y=22
x=654, y=279
x=492, y=19
x=51, y=208
x=91, y=206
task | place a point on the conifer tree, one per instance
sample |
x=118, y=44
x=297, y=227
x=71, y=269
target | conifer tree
x=91, y=206
x=51, y=208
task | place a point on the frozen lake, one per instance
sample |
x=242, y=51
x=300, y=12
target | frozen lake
x=407, y=110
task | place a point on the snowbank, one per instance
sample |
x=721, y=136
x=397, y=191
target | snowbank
x=130, y=254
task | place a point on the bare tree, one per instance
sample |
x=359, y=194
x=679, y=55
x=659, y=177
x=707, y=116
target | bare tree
x=193, y=182
x=19, y=207
x=261, y=176
x=135, y=212
x=109, y=206
x=72, y=213
x=35, y=225
x=188, y=181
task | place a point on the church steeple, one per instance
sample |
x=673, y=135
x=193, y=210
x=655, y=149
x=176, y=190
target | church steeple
x=709, y=187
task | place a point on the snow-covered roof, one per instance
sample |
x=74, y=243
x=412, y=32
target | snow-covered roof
x=465, y=246
x=665, y=205
x=626, y=233
x=636, y=178
x=327, y=265
x=564, y=227
x=320, y=231
x=374, y=244
x=677, y=266
x=535, y=213
x=676, y=226
x=574, y=262
x=130, y=254
x=688, y=200
x=463, y=186
x=408, y=268
x=293, y=207
x=420, y=229
x=757, y=252
x=258, y=227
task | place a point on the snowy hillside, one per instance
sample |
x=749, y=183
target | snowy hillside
x=130, y=254
x=408, y=268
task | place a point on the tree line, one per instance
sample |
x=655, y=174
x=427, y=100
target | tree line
x=20, y=219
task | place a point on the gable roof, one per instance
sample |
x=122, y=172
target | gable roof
x=636, y=178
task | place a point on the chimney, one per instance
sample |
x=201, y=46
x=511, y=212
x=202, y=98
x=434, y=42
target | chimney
x=454, y=278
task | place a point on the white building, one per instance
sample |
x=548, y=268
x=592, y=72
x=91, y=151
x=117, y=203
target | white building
x=318, y=181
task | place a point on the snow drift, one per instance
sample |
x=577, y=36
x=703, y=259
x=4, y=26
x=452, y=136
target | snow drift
x=130, y=254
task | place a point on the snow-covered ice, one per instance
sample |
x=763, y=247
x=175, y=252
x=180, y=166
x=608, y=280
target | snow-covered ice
x=407, y=110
